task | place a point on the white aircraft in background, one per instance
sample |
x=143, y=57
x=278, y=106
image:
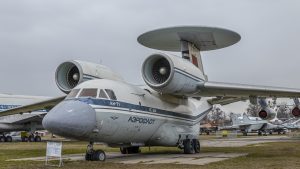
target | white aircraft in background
x=247, y=124
x=29, y=122
x=102, y=107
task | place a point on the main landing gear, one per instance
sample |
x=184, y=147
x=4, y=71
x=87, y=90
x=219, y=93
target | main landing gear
x=94, y=155
x=191, y=146
x=130, y=150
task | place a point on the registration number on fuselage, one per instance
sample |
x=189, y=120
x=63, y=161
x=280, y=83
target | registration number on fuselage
x=140, y=120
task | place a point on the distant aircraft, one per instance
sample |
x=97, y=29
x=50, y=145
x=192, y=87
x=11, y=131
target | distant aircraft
x=29, y=122
x=102, y=107
x=247, y=124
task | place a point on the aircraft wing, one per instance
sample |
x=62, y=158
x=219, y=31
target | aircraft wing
x=241, y=90
x=43, y=105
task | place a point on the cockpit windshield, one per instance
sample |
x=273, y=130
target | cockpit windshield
x=88, y=92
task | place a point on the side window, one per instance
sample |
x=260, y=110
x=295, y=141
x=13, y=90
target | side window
x=73, y=93
x=88, y=93
x=102, y=94
x=111, y=94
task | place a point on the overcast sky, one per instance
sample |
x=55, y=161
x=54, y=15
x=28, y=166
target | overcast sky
x=36, y=36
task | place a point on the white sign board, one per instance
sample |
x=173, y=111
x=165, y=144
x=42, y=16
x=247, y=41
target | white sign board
x=54, y=149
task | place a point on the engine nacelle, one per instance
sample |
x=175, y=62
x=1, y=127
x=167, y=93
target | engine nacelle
x=171, y=74
x=266, y=113
x=296, y=111
x=71, y=73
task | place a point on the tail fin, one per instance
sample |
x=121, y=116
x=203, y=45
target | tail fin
x=235, y=119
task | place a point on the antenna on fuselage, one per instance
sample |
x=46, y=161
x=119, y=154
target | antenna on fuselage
x=189, y=40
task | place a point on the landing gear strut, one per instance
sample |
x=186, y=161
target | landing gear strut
x=130, y=150
x=94, y=155
x=191, y=146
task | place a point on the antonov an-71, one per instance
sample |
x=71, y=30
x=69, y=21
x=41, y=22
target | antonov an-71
x=102, y=107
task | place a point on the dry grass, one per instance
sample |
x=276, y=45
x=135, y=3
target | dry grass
x=267, y=155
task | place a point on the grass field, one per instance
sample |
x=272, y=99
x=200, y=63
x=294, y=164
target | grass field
x=267, y=155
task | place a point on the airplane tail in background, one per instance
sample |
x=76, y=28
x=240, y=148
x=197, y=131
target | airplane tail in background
x=235, y=119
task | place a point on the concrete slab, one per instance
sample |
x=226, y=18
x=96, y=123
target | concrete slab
x=195, y=159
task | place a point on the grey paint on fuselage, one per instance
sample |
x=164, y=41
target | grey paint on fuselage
x=138, y=116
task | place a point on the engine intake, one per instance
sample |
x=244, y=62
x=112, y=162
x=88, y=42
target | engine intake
x=71, y=73
x=171, y=74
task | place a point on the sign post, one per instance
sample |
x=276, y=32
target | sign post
x=54, y=150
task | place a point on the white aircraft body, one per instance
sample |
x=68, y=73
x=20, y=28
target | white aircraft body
x=247, y=124
x=20, y=122
x=166, y=112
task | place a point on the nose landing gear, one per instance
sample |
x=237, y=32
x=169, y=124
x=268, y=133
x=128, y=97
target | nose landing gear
x=94, y=155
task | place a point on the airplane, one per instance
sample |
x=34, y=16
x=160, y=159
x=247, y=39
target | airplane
x=20, y=122
x=101, y=106
x=247, y=124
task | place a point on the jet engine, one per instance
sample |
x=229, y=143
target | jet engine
x=170, y=74
x=71, y=73
x=296, y=111
x=267, y=113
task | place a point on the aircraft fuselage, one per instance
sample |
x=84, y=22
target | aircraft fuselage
x=137, y=116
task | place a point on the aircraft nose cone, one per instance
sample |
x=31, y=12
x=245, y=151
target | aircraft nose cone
x=73, y=119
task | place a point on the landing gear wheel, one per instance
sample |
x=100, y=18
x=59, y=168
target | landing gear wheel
x=37, y=139
x=196, y=145
x=99, y=155
x=24, y=139
x=123, y=150
x=8, y=139
x=245, y=134
x=259, y=133
x=130, y=150
x=188, y=146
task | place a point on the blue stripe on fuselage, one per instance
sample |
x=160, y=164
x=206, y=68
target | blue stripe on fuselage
x=119, y=104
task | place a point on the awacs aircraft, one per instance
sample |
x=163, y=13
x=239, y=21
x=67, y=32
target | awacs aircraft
x=102, y=107
x=20, y=122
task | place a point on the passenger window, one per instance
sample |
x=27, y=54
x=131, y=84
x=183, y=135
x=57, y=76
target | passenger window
x=73, y=93
x=102, y=94
x=88, y=93
x=111, y=94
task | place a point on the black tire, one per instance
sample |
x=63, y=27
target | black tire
x=88, y=157
x=2, y=139
x=196, y=144
x=37, y=139
x=245, y=133
x=99, y=155
x=8, y=139
x=135, y=150
x=123, y=150
x=31, y=139
x=188, y=146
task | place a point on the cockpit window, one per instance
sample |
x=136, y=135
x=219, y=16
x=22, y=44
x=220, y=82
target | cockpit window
x=111, y=94
x=88, y=93
x=102, y=94
x=73, y=93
